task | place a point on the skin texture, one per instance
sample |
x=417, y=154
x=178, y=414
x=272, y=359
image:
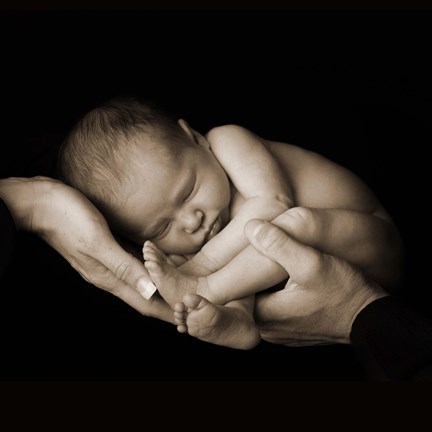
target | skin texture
x=185, y=211
x=177, y=211
x=317, y=306
x=70, y=223
x=321, y=299
x=349, y=222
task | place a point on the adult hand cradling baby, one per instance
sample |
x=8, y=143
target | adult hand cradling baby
x=325, y=300
x=321, y=299
x=74, y=227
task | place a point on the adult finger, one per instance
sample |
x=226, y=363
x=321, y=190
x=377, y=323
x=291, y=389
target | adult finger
x=299, y=260
x=127, y=268
x=155, y=307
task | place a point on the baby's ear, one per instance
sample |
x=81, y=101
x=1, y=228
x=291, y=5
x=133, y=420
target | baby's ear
x=195, y=136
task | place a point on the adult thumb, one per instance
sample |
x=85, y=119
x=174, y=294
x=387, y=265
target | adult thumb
x=273, y=242
x=128, y=269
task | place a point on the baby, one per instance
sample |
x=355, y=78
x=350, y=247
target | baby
x=182, y=194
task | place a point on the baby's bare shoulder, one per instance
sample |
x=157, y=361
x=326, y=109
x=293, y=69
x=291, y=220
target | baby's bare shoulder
x=235, y=134
x=232, y=133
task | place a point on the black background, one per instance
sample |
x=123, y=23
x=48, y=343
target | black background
x=352, y=85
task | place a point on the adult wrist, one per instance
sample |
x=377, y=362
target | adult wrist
x=23, y=197
x=41, y=205
x=14, y=193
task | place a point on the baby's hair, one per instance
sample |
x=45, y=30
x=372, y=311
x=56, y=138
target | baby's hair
x=95, y=154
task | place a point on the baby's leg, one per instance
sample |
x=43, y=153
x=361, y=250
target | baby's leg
x=231, y=325
x=171, y=283
x=363, y=239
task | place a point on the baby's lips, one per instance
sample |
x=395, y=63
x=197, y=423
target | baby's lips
x=214, y=229
x=146, y=288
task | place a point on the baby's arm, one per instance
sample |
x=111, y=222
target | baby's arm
x=258, y=178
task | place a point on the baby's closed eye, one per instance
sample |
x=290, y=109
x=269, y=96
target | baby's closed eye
x=162, y=231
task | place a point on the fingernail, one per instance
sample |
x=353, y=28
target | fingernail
x=146, y=288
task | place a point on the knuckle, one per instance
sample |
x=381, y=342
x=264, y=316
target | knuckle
x=123, y=270
x=271, y=238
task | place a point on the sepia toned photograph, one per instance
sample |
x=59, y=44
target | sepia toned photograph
x=215, y=195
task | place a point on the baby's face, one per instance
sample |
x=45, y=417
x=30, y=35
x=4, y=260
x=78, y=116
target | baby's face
x=179, y=204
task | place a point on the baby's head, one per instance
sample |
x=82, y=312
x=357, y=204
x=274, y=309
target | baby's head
x=151, y=176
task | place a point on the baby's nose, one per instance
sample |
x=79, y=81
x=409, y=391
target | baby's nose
x=192, y=221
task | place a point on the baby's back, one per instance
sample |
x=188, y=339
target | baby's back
x=318, y=182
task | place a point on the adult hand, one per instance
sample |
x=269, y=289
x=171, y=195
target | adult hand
x=321, y=299
x=73, y=226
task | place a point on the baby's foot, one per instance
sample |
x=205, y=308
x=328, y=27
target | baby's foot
x=170, y=282
x=180, y=317
x=220, y=325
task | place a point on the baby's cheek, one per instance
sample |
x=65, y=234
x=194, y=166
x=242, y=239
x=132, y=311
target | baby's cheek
x=178, y=246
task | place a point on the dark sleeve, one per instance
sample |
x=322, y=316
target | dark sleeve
x=7, y=236
x=393, y=342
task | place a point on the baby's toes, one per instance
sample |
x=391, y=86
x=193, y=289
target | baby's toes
x=179, y=317
x=182, y=328
x=150, y=245
x=180, y=307
x=147, y=246
x=194, y=301
x=150, y=255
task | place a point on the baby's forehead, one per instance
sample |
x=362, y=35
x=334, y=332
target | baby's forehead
x=159, y=145
x=156, y=160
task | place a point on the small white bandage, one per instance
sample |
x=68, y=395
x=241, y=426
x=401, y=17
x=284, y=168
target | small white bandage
x=146, y=288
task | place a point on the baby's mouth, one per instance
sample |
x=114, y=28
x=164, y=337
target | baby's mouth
x=216, y=227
